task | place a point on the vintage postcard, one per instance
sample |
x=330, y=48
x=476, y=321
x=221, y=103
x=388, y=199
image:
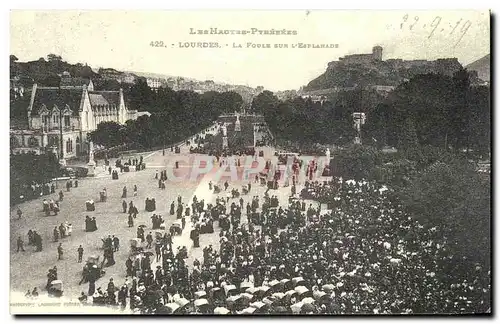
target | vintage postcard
x=313, y=162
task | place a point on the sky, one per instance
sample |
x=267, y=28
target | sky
x=122, y=40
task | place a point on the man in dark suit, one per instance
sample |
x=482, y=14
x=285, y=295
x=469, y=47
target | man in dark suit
x=195, y=236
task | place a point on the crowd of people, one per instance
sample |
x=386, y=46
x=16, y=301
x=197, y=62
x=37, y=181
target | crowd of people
x=366, y=256
x=362, y=255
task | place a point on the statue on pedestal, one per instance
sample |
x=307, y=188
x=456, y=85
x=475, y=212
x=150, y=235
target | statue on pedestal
x=224, y=136
x=91, y=152
x=91, y=164
x=237, y=125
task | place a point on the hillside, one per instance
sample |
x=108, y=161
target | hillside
x=383, y=73
x=183, y=83
x=482, y=67
x=47, y=71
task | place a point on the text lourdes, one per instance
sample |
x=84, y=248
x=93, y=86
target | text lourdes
x=251, y=31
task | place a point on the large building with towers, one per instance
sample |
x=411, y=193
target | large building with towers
x=71, y=110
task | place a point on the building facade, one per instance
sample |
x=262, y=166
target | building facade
x=64, y=116
x=154, y=83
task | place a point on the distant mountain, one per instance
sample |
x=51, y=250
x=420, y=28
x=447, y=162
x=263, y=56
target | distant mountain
x=482, y=67
x=184, y=83
x=156, y=75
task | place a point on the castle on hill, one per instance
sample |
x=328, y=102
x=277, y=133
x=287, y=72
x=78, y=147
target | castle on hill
x=445, y=66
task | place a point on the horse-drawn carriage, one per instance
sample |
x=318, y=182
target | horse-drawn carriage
x=56, y=288
x=90, y=205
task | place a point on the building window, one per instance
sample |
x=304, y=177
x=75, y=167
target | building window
x=14, y=142
x=46, y=120
x=54, y=141
x=55, y=119
x=32, y=142
x=69, y=146
x=66, y=121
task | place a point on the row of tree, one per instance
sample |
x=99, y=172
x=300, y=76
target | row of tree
x=304, y=121
x=430, y=109
x=28, y=169
x=175, y=115
x=435, y=110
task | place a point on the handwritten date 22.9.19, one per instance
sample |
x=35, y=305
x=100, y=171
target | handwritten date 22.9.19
x=437, y=25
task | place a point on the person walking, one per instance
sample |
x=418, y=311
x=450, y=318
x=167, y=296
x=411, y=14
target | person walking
x=116, y=243
x=59, y=252
x=56, y=234
x=19, y=213
x=149, y=239
x=20, y=244
x=80, y=254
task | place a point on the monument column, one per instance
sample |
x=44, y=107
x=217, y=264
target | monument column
x=237, y=124
x=224, y=137
x=91, y=164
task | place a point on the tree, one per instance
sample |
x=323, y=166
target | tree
x=480, y=120
x=265, y=101
x=357, y=162
x=13, y=58
x=19, y=107
x=444, y=110
x=377, y=128
x=107, y=84
x=26, y=169
x=54, y=58
x=140, y=96
x=108, y=134
x=408, y=141
x=454, y=198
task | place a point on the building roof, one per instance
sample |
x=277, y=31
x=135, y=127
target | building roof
x=104, y=98
x=51, y=97
x=74, y=82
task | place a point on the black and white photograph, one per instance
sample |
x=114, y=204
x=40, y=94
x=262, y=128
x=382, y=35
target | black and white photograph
x=250, y=162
